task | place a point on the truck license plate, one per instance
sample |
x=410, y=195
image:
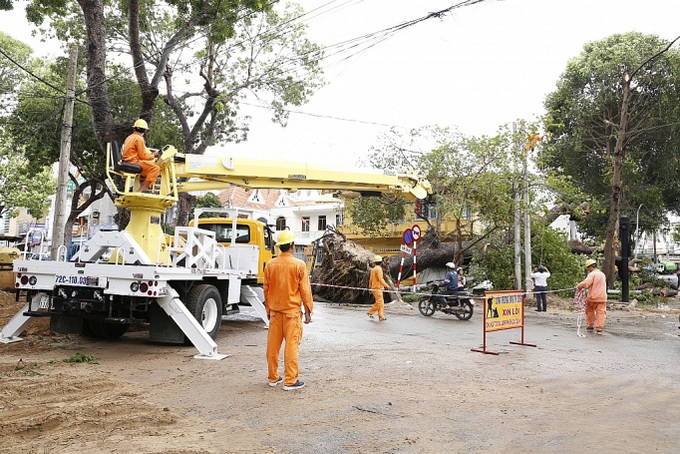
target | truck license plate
x=65, y=279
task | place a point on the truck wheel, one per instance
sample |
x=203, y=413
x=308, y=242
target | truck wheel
x=205, y=303
x=467, y=310
x=102, y=330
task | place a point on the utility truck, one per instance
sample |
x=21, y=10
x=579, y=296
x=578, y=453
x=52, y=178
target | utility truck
x=179, y=284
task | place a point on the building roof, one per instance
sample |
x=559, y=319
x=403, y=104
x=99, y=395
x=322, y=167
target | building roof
x=238, y=197
x=261, y=199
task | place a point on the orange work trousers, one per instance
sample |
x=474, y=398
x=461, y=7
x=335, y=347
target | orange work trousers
x=597, y=311
x=379, y=305
x=282, y=327
x=150, y=171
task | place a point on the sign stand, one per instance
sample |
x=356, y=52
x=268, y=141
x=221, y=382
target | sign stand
x=503, y=310
x=401, y=267
x=416, y=234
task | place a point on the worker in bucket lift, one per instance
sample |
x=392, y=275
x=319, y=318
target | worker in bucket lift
x=136, y=152
x=286, y=290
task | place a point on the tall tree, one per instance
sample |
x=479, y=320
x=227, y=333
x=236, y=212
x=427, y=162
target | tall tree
x=23, y=184
x=232, y=46
x=472, y=177
x=612, y=128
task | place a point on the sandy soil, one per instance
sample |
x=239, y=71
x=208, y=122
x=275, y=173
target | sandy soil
x=402, y=386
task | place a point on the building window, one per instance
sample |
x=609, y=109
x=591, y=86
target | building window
x=280, y=223
x=305, y=224
x=340, y=218
x=322, y=223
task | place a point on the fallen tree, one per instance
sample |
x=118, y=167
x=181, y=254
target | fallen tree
x=342, y=270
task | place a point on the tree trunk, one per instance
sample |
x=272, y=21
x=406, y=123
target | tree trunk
x=615, y=206
x=97, y=92
x=184, y=205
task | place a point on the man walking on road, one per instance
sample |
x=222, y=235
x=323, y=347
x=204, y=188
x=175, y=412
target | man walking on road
x=286, y=290
x=376, y=284
x=596, y=305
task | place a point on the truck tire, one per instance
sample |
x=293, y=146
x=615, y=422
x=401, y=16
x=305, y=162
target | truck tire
x=205, y=303
x=102, y=330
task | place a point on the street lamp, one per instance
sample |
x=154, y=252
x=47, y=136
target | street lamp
x=637, y=224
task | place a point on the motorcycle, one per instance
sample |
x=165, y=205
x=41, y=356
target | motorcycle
x=460, y=304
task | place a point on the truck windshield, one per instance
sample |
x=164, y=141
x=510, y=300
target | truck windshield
x=223, y=232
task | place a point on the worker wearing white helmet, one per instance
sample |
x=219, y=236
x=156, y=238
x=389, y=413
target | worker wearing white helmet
x=450, y=283
x=376, y=284
x=136, y=152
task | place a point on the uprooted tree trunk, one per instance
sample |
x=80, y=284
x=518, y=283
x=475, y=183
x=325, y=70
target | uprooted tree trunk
x=343, y=271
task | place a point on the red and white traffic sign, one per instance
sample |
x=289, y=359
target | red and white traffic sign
x=416, y=232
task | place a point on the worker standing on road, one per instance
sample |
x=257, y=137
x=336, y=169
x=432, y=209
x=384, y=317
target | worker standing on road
x=376, y=284
x=136, y=152
x=286, y=290
x=596, y=304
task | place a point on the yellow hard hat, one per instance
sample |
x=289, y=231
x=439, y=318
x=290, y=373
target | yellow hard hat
x=377, y=259
x=285, y=237
x=141, y=124
x=590, y=262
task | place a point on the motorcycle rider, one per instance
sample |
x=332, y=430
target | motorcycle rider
x=450, y=284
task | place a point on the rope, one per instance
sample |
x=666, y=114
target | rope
x=481, y=298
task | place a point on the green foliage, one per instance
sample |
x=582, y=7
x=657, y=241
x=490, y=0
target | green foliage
x=582, y=126
x=81, y=358
x=209, y=200
x=23, y=185
x=549, y=248
x=371, y=215
x=470, y=176
x=30, y=369
x=11, y=75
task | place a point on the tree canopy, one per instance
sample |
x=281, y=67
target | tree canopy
x=612, y=130
x=185, y=65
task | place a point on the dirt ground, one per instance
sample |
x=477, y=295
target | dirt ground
x=407, y=385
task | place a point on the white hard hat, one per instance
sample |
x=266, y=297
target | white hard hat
x=451, y=265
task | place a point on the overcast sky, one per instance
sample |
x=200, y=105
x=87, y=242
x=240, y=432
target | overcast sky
x=477, y=67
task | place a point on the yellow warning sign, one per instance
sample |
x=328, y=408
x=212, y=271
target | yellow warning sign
x=504, y=310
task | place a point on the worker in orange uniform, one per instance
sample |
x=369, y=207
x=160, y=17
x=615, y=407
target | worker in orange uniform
x=135, y=152
x=286, y=291
x=376, y=284
x=596, y=303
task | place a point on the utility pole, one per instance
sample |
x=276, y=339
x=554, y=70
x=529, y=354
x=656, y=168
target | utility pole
x=532, y=140
x=58, y=226
x=527, y=220
x=518, y=230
